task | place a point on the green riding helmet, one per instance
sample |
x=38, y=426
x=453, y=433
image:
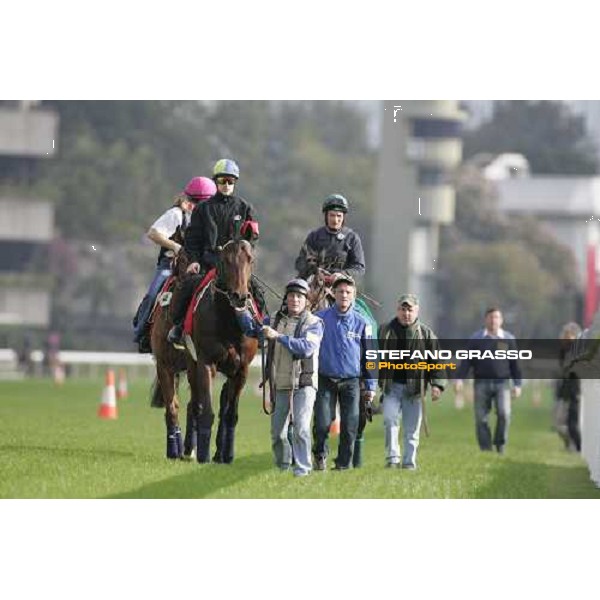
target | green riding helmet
x=335, y=202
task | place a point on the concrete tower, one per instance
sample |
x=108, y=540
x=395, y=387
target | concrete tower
x=421, y=146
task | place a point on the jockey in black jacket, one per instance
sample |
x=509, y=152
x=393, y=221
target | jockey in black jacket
x=213, y=224
x=333, y=247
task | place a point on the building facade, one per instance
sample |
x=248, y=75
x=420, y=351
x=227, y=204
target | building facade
x=420, y=149
x=28, y=133
x=569, y=208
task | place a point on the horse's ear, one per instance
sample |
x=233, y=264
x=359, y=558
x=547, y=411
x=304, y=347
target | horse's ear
x=237, y=226
x=180, y=263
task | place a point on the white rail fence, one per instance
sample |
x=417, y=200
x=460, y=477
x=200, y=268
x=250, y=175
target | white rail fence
x=85, y=364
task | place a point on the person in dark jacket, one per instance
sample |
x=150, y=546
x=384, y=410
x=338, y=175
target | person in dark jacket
x=403, y=393
x=568, y=392
x=213, y=224
x=333, y=248
x=492, y=381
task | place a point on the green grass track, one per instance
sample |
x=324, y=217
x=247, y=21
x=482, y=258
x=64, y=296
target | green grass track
x=52, y=445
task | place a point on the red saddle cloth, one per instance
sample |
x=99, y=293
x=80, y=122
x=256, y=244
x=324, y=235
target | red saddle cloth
x=189, y=315
x=165, y=288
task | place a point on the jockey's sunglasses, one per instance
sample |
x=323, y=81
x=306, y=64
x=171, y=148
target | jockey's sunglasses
x=226, y=180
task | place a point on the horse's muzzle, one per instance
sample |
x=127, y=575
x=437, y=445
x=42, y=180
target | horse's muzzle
x=238, y=300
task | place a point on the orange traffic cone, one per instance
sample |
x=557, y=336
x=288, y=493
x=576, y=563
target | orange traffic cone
x=334, y=428
x=122, y=391
x=59, y=374
x=108, y=404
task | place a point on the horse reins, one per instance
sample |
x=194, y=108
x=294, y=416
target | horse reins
x=267, y=287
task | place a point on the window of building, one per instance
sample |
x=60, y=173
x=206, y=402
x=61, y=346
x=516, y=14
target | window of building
x=436, y=128
x=431, y=175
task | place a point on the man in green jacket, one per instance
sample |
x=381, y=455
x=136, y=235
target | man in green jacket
x=403, y=390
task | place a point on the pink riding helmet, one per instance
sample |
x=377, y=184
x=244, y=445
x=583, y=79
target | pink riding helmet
x=200, y=188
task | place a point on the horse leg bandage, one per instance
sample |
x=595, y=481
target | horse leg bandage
x=174, y=443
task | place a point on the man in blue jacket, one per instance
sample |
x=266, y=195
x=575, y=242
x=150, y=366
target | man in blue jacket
x=346, y=335
x=492, y=380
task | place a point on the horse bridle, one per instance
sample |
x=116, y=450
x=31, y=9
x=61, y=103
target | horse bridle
x=322, y=291
x=246, y=301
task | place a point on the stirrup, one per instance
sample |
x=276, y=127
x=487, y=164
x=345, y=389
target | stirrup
x=175, y=337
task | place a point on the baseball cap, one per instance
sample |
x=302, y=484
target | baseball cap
x=410, y=299
x=342, y=278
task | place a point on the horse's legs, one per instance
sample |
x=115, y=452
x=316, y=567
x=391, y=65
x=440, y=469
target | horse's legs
x=202, y=410
x=166, y=380
x=230, y=414
x=191, y=439
x=191, y=435
x=223, y=402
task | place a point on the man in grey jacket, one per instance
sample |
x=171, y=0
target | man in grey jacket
x=292, y=369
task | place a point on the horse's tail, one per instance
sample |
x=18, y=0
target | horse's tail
x=156, y=395
x=157, y=399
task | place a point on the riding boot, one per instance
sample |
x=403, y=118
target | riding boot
x=204, y=426
x=174, y=442
x=179, y=309
x=144, y=344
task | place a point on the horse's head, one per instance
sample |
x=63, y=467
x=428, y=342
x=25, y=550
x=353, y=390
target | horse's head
x=235, y=269
x=312, y=261
x=319, y=293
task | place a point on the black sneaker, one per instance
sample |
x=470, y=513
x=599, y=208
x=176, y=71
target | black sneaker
x=144, y=346
x=320, y=464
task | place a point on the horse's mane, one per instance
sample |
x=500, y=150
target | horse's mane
x=245, y=244
x=179, y=264
x=319, y=293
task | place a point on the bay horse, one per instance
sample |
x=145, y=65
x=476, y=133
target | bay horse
x=320, y=296
x=169, y=365
x=219, y=343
